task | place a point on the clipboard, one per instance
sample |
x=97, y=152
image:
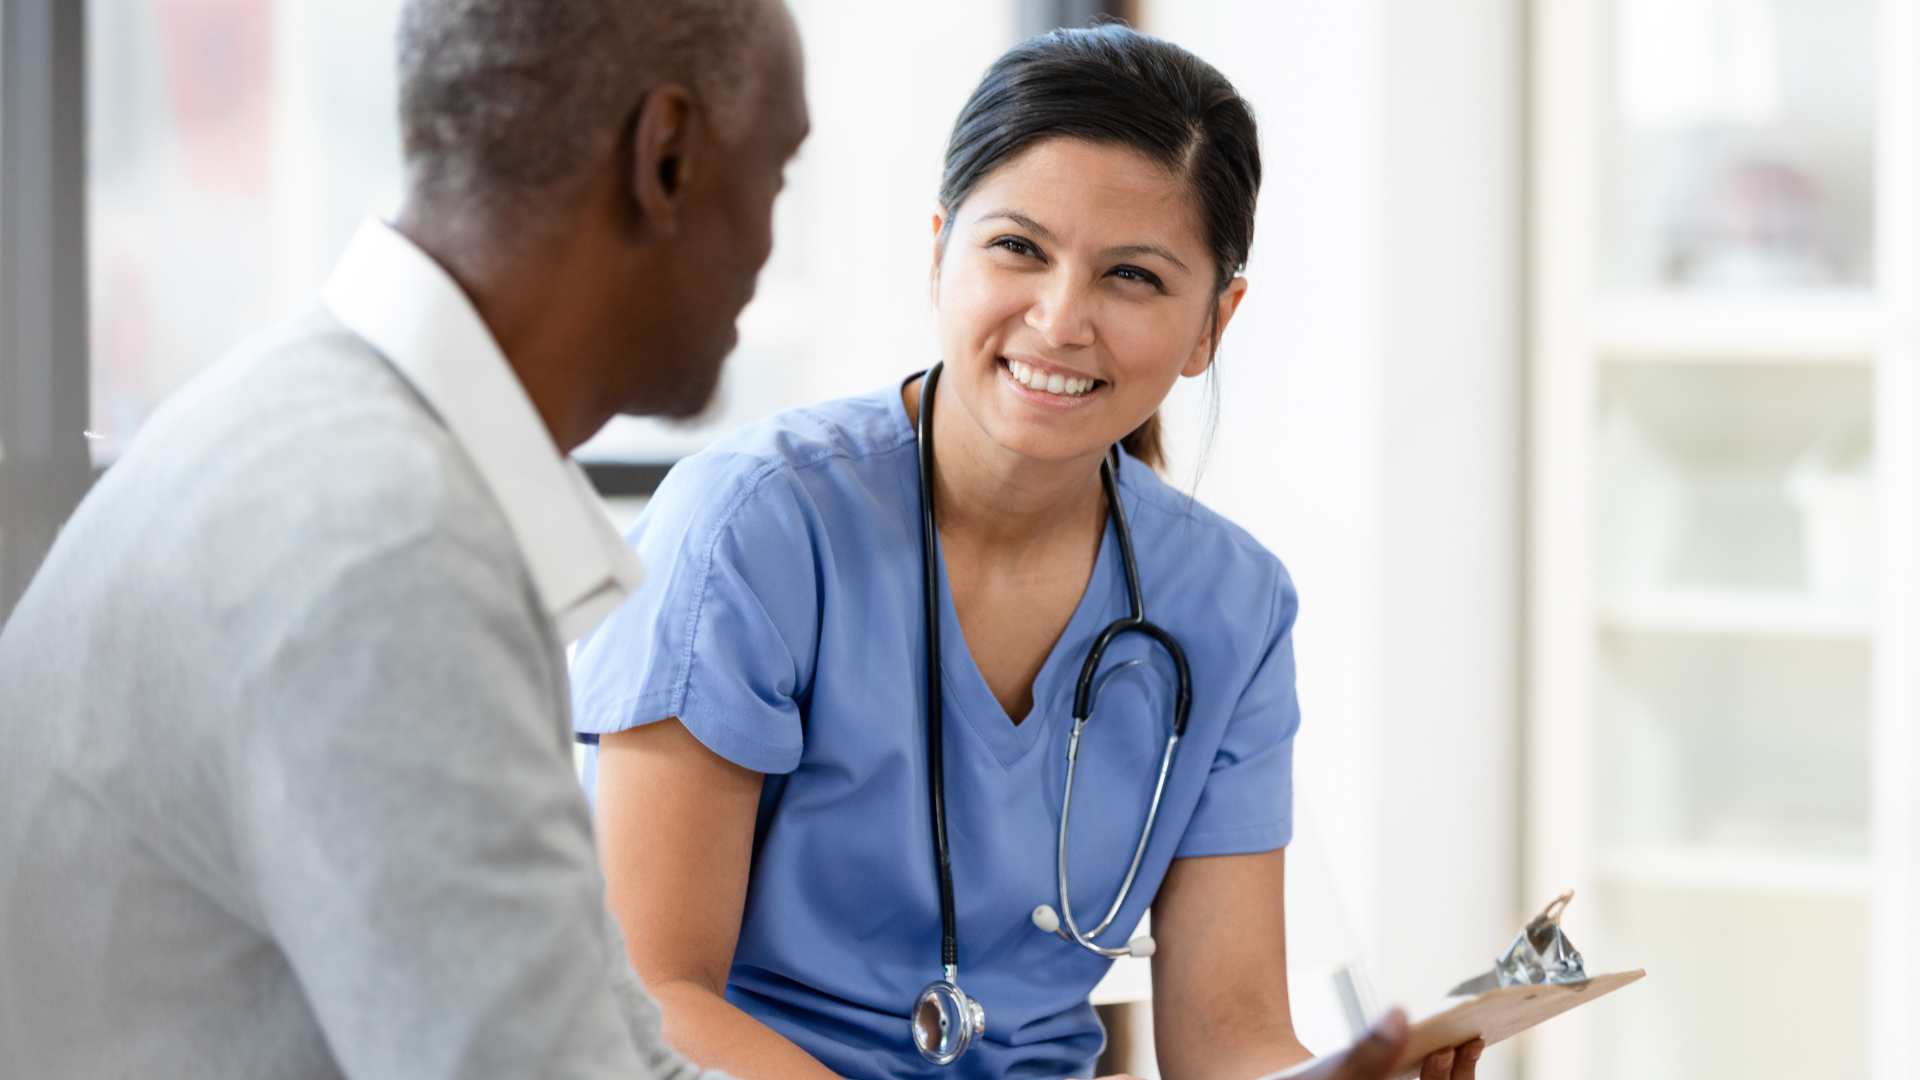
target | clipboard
x=1491, y=1016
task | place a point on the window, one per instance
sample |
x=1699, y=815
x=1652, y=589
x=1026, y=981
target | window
x=43, y=455
x=236, y=144
x=233, y=145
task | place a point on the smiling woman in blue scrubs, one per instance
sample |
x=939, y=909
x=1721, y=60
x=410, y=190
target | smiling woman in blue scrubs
x=761, y=777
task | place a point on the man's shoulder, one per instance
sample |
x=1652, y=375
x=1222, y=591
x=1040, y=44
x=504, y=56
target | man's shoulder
x=309, y=381
x=295, y=513
x=298, y=455
x=306, y=417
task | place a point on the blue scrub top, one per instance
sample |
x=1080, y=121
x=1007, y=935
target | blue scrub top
x=782, y=622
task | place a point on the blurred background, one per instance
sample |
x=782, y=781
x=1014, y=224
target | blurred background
x=1577, y=387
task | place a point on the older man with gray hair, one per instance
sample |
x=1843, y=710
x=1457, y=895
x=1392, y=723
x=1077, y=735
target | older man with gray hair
x=288, y=789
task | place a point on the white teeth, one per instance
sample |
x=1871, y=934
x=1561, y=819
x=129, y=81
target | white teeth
x=1052, y=384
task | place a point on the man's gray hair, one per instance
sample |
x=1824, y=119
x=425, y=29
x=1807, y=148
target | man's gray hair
x=500, y=99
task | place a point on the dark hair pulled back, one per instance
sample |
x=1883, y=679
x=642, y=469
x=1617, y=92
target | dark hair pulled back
x=1112, y=85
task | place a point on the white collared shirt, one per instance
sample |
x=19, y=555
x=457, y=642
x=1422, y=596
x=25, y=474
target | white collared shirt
x=409, y=308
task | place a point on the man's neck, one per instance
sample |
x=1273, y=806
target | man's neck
x=536, y=297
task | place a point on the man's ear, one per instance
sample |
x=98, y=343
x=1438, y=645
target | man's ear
x=663, y=157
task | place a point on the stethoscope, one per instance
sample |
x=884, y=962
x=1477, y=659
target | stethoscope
x=945, y=1020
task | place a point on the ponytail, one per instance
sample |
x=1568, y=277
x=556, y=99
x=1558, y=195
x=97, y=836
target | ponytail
x=1144, y=444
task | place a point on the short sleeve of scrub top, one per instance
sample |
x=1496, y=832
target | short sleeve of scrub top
x=725, y=639
x=781, y=622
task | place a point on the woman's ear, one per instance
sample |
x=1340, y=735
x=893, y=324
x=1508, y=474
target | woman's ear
x=1224, y=306
x=939, y=252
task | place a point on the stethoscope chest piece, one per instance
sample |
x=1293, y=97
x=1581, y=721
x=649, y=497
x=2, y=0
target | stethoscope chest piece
x=946, y=1021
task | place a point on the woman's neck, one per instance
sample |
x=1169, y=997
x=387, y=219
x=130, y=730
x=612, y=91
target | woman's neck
x=1020, y=539
x=994, y=500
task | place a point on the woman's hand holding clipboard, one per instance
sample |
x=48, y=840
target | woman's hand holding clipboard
x=1387, y=1051
x=1539, y=977
x=1484, y=1019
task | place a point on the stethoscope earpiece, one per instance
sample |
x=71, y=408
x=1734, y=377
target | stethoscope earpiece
x=1047, y=919
x=945, y=1020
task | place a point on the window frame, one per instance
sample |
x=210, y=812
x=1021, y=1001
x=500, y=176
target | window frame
x=44, y=356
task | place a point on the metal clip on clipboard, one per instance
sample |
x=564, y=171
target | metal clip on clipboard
x=1540, y=955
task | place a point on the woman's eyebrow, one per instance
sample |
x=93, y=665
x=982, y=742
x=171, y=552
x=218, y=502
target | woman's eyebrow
x=1147, y=249
x=1021, y=220
x=1121, y=252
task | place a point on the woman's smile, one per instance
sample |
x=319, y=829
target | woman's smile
x=1048, y=385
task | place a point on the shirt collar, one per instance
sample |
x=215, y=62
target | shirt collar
x=412, y=312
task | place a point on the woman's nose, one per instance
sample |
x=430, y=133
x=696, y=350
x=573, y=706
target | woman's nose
x=1062, y=313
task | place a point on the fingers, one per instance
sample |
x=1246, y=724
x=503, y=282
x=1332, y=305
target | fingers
x=1372, y=1058
x=1468, y=1060
x=1454, y=1063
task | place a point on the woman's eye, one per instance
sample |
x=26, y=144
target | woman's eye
x=1134, y=273
x=1015, y=245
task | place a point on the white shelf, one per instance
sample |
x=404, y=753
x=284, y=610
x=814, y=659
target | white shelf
x=1592, y=348
x=1813, y=327
x=1743, y=870
x=1738, y=613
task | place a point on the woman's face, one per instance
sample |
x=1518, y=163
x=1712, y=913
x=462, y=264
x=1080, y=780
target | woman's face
x=1075, y=287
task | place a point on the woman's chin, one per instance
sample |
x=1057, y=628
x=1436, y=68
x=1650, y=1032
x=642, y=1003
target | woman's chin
x=1044, y=443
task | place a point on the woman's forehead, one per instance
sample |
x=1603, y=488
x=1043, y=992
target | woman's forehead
x=1085, y=191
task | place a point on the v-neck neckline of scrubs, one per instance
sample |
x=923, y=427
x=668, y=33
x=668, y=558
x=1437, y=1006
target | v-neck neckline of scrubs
x=964, y=688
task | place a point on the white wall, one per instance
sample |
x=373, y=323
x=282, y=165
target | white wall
x=885, y=79
x=1369, y=434
x=1452, y=404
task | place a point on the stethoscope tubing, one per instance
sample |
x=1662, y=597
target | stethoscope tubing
x=1068, y=928
x=1084, y=695
x=936, y=768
